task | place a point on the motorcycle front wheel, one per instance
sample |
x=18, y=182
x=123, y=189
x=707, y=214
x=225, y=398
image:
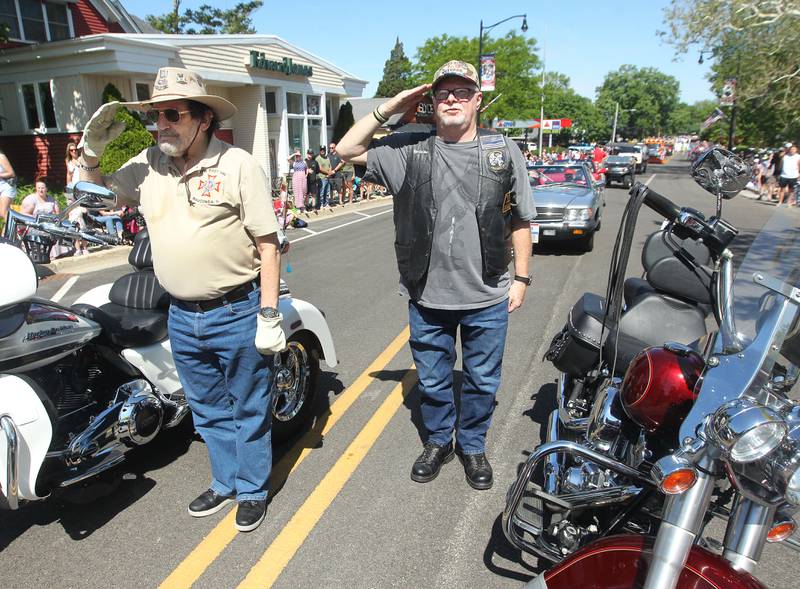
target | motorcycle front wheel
x=294, y=387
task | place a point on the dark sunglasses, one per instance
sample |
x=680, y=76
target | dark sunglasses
x=173, y=115
x=460, y=94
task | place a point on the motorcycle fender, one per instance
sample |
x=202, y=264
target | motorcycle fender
x=19, y=401
x=156, y=364
x=298, y=315
x=96, y=296
x=620, y=562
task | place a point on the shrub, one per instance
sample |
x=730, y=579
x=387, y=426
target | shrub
x=131, y=142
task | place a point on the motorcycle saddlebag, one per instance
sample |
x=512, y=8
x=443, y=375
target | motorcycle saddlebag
x=575, y=350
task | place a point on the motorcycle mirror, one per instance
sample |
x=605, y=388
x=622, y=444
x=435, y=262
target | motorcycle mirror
x=721, y=173
x=94, y=196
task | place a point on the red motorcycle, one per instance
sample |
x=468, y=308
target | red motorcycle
x=645, y=448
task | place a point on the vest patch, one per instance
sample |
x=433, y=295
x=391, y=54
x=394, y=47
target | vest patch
x=507, y=202
x=497, y=161
x=492, y=141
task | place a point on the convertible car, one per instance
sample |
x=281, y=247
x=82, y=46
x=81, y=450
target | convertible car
x=569, y=203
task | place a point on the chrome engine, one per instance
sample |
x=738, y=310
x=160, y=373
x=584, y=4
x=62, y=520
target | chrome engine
x=133, y=418
x=587, y=465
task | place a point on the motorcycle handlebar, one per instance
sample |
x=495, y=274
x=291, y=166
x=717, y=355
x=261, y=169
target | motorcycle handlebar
x=661, y=205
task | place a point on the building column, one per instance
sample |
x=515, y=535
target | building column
x=324, y=131
x=283, y=139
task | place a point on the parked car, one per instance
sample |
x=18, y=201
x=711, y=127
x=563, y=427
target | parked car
x=569, y=203
x=621, y=168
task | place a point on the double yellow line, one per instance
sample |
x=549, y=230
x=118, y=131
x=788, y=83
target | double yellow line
x=294, y=533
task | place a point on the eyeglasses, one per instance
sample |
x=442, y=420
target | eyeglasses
x=460, y=94
x=73, y=149
x=173, y=115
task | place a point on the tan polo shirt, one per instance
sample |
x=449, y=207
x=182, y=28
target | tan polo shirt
x=202, y=226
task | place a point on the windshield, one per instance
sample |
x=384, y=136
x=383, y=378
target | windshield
x=626, y=149
x=775, y=253
x=618, y=160
x=545, y=175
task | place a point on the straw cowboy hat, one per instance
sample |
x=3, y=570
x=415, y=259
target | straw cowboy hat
x=177, y=83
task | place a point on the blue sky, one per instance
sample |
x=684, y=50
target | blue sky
x=584, y=39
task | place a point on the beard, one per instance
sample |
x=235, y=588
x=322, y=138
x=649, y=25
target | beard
x=170, y=149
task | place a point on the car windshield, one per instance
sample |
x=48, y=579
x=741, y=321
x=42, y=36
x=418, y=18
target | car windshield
x=545, y=175
x=625, y=149
x=618, y=160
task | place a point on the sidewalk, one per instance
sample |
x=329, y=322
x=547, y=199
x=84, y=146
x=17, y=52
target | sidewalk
x=118, y=255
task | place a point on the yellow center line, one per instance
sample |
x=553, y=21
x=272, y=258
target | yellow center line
x=207, y=551
x=283, y=548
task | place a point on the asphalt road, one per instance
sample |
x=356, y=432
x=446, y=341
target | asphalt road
x=347, y=515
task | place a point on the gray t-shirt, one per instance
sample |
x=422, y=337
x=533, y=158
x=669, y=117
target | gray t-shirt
x=455, y=273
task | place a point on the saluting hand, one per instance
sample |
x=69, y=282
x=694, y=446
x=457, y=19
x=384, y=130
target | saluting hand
x=404, y=100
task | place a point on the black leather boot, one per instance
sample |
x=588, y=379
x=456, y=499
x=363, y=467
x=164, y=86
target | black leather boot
x=478, y=471
x=426, y=467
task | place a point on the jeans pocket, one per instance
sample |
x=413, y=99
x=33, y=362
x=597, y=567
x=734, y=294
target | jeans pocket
x=244, y=307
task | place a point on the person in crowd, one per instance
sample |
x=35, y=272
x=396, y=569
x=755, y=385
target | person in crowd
x=777, y=165
x=39, y=202
x=8, y=187
x=299, y=180
x=335, y=175
x=348, y=173
x=112, y=219
x=216, y=252
x=324, y=182
x=790, y=171
x=312, y=169
x=453, y=262
x=75, y=215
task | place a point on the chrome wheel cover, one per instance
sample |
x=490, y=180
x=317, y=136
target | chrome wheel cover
x=290, y=385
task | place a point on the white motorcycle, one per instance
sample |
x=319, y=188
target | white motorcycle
x=80, y=386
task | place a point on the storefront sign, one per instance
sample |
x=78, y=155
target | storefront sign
x=287, y=66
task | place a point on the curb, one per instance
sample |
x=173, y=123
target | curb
x=338, y=211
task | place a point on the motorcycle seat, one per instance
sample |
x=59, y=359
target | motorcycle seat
x=127, y=327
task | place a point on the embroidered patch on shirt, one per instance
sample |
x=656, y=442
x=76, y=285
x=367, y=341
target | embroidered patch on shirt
x=209, y=186
x=497, y=160
x=507, y=202
x=492, y=141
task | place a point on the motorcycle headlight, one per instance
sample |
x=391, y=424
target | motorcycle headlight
x=747, y=431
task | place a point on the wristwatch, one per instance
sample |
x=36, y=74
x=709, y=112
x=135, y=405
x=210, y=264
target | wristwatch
x=269, y=312
x=526, y=279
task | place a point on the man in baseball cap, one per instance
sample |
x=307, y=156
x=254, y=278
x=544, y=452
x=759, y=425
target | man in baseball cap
x=461, y=198
x=215, y=251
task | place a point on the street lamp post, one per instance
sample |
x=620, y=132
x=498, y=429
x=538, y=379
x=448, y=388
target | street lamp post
x=732, y=120
x=480, y=45
x=616, y=116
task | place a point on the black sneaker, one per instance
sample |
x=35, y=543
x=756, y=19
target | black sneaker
x=250, y=514
x=208, y=503
x=426, y=467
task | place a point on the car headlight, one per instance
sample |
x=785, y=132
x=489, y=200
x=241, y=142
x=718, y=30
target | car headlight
x=578, y=214
x=747, y=431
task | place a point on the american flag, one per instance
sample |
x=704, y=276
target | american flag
x=713, y=118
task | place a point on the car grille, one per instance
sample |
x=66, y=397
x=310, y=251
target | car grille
x=550, y=214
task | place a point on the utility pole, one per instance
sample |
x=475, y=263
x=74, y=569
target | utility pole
x=614, y=132
x=541, y=106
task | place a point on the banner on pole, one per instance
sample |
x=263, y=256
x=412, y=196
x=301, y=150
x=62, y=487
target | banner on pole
x=728, y=97
x=488, y=72
x=713, y=118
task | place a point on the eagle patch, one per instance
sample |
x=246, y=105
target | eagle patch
x=497, y=160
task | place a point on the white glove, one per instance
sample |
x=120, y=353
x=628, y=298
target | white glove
x=101, y=130
x=269, y=335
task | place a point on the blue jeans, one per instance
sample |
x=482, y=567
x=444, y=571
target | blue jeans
x=323, y=192
x=113, y=223
x=227, y=384
x=483, y=337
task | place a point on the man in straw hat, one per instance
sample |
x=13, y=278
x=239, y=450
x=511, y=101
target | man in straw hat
x=215, y=250
x=461, y=197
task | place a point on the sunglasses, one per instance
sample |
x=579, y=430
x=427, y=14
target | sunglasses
x=460, y=94
x=173, y=115
x=72, y=149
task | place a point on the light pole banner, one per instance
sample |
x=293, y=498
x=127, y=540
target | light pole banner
x=728, y=97
x=488, y=72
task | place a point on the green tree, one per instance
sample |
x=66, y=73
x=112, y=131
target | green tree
x=646, y=97
x=396, y=73
x=131, y=141
x=518, y=78
x=758, y=43
x=344, y=121
x=687, y=118
x=207, y=20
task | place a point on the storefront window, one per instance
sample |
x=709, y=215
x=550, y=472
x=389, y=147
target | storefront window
x=33, y=20
x=296, y=134
x=329, y=111
x=8, y=17
x=270, y=103
x=294, y=103
x=312, y=105
x=142, y=91
x=314, y=133
x=39, y=109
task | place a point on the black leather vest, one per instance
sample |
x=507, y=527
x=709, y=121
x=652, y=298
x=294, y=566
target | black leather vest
x=415, y=210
